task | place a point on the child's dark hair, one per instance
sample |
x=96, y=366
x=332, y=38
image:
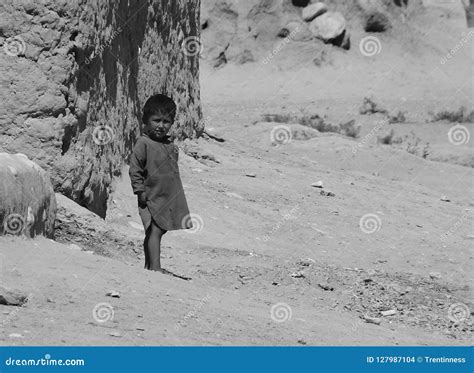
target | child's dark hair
x=158, y=104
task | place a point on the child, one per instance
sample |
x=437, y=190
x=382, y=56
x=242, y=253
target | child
x=155, y=179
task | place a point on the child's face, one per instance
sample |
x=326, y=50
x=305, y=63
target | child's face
x=159, y=125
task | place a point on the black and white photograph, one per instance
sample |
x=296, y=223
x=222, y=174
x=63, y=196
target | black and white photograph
x=236, y=173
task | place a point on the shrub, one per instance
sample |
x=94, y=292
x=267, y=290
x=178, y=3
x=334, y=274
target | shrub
x=459, y=116
x=387, y=139
x=370, y=107
x=397, y=118
x=350, y=129
x=316, y=122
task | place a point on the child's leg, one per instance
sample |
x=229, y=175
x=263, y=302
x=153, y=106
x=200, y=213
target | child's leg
x=145, y=247
x=154, y=247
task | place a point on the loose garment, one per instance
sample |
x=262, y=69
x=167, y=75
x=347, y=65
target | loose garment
x=154, y=170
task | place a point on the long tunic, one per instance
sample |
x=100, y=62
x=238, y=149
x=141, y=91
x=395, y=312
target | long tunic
x=154, y=170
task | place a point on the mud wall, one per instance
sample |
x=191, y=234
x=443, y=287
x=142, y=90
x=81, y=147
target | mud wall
x=76, y=74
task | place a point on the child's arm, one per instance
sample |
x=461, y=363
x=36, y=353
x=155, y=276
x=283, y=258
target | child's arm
x=137, y=170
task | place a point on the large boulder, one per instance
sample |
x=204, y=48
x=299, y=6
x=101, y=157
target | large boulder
x=313, y=10
x=328, y=26
x=75, y=76
x=27, y=200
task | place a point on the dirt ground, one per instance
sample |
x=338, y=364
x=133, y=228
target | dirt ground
x=268, y=240
x=272, y=260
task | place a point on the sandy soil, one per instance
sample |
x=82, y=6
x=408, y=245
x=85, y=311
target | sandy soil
x=266, y=240
x=271, y=239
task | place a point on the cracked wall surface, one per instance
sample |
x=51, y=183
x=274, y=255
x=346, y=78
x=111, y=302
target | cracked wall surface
x=75, y=76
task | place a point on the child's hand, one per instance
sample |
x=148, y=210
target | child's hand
x=141, y=199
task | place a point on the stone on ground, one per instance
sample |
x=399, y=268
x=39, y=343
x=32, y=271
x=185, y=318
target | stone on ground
x=27, y=200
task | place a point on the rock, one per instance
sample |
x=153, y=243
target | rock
x=326, y=287
x=12, y=297
x=251, y=175
x=314, y=10
x=113, y=294
x=376, y=22
x=27, y=200
x=306, y=262
x=328, y=26
x=220, y=60
x=445, y=199
x=372, y=320
x=343, y=41
x=388, y=312
x=327, y=193
x=299, y=274
x=435, y=275
x=74, y=247
x=234, y=195
x=15, y=335
x=115, y=334
x=317, y=184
